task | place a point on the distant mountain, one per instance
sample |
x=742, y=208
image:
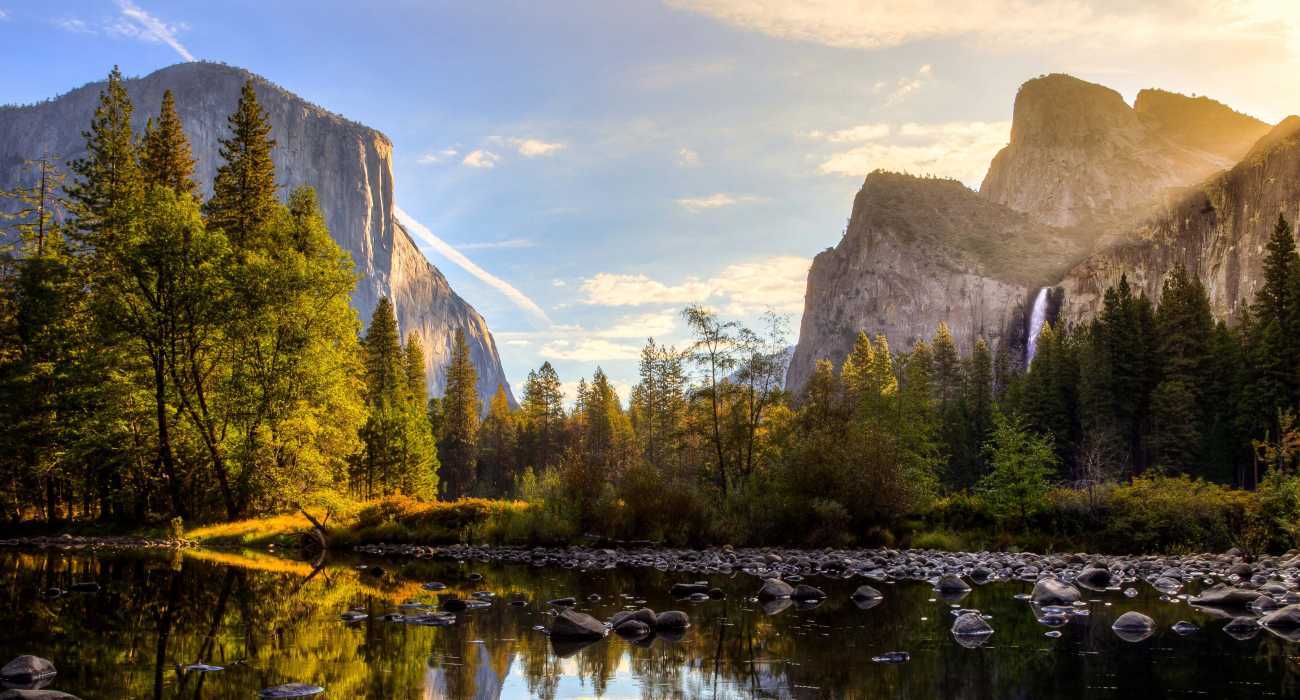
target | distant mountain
x=1079, y=153
x=1088, y=189
x=349, y=164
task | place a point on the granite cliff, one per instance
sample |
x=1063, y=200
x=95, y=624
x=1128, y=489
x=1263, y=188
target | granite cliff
x=1087, y=189
x=349, y=164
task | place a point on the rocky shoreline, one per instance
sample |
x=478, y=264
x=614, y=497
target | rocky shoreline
x=1094, y=571
x=106, y=542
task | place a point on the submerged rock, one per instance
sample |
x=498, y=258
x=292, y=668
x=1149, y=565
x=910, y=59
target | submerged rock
x=290, y=690
x=1133, y=626
x=804, y=592
x=1222, y=596
x=866, y=592
x=1184, y=628
x=952, y=583
x=27, y=671
x=684, y=590
x=892, y=657
x=1050, y=591
x=1241, y=628
x=774, y=589
x=672, y=620
x=971, y=624
x=571, y=624
x=20, y=694
x=1287, y=618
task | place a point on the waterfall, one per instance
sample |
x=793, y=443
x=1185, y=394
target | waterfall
x=1036, y=319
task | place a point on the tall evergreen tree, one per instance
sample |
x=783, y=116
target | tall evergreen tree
x=244, y=190
x=166, y=159
x=109, y=187
x=461, y=407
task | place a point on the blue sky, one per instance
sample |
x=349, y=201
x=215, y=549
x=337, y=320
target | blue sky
x=613, y=161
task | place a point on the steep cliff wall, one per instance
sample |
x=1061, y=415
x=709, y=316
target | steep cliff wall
x=1080, y=155
x=918, y=251
x=349, y=164
x=1217, y=230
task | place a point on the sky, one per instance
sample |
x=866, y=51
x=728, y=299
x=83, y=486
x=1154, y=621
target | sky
x=582, y=170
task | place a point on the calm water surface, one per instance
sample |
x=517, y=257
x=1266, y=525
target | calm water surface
x=269, y=621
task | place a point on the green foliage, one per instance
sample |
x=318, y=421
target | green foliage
x=1022, y=462
x=457, y=444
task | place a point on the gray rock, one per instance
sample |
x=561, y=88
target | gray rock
x=1287, y=618
x=571, y=624
x=632, y=629
x=27, y=670
x=952, y=583
x=672, y=620
x=1094, y=577
x=866, y=592
x=20, y=694
x=1222, y=596
x=645, y=615
x=971, y=624
x=1133, y=626
x=774, y=589
x=1050, y=591
x=804, y=592
x=290, y=690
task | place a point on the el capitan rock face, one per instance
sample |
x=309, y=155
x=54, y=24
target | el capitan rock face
x=349, y=164
x=1088, y=189
x=1080, y=155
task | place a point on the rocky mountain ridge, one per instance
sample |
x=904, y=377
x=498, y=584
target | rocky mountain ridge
x=349, y=164
x=1088, y=189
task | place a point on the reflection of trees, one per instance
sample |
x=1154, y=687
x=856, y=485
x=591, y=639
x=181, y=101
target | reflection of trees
x=268, y=621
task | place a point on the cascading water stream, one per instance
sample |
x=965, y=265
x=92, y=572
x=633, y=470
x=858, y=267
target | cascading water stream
x=1036, y=319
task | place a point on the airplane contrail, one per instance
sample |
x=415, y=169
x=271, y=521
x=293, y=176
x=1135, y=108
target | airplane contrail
x=421, y=232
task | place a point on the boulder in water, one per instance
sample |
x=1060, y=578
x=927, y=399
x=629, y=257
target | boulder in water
x=1094, y=577
x=951, y=584
x=672, y=620
x=971, y=624
x=804, y=592
x=866, y=592
x=290, y=690
x=632, y=629
x=1133, y=626
x=645, y=616
x=19, y=694
x=571, y=624
x=1050, y=591
x=1283, y=619
x=1221, y=596
x=774, y=589
x=27, y=671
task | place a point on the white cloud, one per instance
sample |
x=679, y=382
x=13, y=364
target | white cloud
x=687, y=158
x=74, y=25
x=714, y=201
x=532, y=148
x=557, y=282
x=590, y=350
x=508, y=290
x=775, y=283
x=435, y=157
x=139, y=24
x=509, y=243
x=479, y=158
x=862, y=132
x=905, y=86
x=876, y=24
x=960, y=150
x=4, y=14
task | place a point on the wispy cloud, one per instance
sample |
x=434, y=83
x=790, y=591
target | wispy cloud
x=4, y=14
x=74, y=25
x=687, y=158
x=776, y=282
x=960, y=150
x=139, y=24
x=439, y=156
x=905, y=86
x=508, y=243
x=479, y=158
x=508, y=290
x=714, y=201
x=532, y=148
x=877, y=24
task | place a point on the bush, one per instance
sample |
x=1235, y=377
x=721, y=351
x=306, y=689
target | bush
x=938, y=539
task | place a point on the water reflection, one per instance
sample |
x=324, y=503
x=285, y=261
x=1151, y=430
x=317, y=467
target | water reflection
x=267, y=621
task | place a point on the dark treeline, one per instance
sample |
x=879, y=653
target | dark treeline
x=166, y=356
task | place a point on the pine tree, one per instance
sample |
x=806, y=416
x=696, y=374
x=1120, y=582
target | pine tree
x=543, y=417
x=109, y=185
x=385, y=362
x=166, y=159
x=413, y=365
x=460, y=405
x=386, y=383
x=244, y=190
x=497, y=442
x=1185, y=329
